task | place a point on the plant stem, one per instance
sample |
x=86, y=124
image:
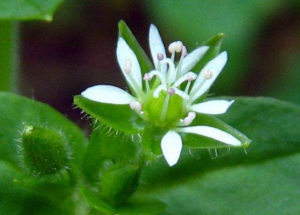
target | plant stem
x=9, y=61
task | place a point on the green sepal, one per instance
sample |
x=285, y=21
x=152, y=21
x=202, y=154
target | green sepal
x=198, y=141
x=44, y=151
x=142, y=206
x=96, y=201
x=144, y=61
x=119, y=117
x=151, y=140
x=119, y=182
x=106, y=149
x=214, y=49
x=28, y=9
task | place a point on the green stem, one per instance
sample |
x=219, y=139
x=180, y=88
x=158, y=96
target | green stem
x=9, y=62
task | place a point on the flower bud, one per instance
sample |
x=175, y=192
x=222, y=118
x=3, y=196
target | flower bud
x=43, y=151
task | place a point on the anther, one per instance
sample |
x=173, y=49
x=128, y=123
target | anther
x=135, y=105
x=147, y=77
x=208, y=74
x=171, y=91
x=184, y=51
x=160, y=56
x=190, y=78
x=172, y=47
x=178, y=46
x=189, y=119
x=128, y=65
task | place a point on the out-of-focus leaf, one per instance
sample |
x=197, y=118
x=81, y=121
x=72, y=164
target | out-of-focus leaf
x=28, y=9
x=239, y=183
x=142, y=207
x=95, y=201
x=17, y=111
x=18, y=200
x=145, y=62
x=120, y=117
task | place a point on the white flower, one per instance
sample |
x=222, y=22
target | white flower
x=169, y=81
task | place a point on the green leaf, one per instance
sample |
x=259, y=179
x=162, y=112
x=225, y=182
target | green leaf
x=18, y=200
x=197, y=141
x=120, y=117
x=262, y=181
x=119, y=182
x=17, y=111
x=28, y=9
x=108, y=148
x=145, y=62
x=142, y=206
x=95, y=201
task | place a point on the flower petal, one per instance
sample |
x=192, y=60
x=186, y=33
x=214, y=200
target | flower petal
x=192, y=59
x=202, y=84
x=212, y=107
x=124, y=53
x=171, y=145
x=156, y=46
x=107, y=94
x=213, y=133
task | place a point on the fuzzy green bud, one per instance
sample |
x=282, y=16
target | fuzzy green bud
x=43, y=151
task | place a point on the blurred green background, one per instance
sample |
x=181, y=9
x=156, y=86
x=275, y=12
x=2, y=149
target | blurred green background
x=77, y=50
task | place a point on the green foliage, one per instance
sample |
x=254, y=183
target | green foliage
x=237, y=182
x=17, y=111
x=28, y=9
x=118, y=182
x=110, y=115
x=44, y=151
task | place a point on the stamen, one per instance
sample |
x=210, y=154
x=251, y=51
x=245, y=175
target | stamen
x=165, y=108
x=147, y=77
x=184, y=51
x=208, y=74
x=187, y=77
x=128, y=65
x=172, y=47
x=158, y=90
x=181, y=93
x=135, y=105
x=189, y=119
x=160, y=56
x=171, y=91
x=160, y=75
x=179, y=46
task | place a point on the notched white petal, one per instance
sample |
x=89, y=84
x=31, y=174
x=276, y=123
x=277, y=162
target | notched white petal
x=192, y=59
x=125, y=55
x=107, y=94
x=171, y=145
x=213, y=107
x=213, y=133
x=202, y=84
x=156, y=46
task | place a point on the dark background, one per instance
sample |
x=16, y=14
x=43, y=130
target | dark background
x=77, y=50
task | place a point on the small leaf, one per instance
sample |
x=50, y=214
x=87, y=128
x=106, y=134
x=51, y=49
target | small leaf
x=214, y=49
x=28, y=9
x=106, y=149
x=142, y=206
x=44, y=151
x=95, y=201
x=125, y=32
x=120, y=117
x=119, y=182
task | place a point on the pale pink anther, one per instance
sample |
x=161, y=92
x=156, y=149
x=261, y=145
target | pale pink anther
x=171, y=91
